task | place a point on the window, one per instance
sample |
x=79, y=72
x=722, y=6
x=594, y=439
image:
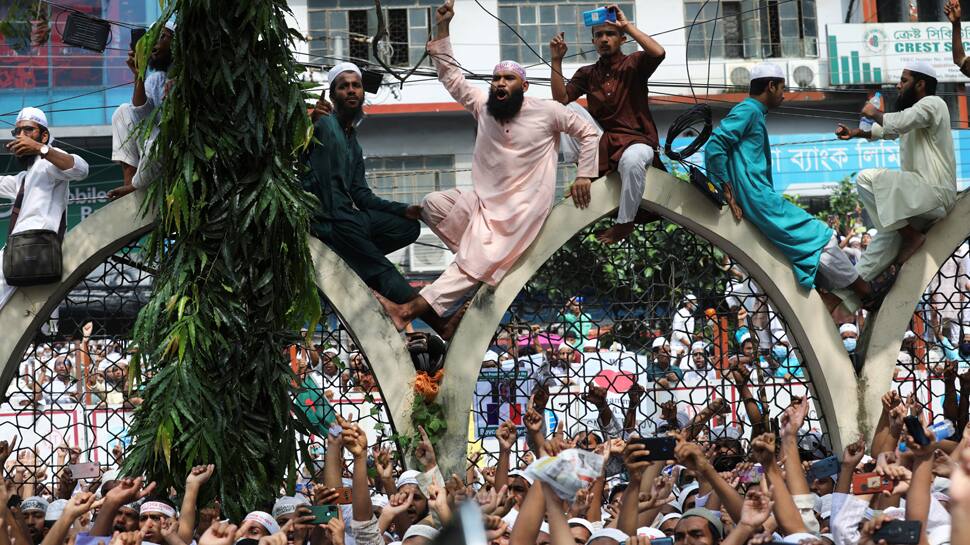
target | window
x=751, y=29
x=538, y=21
x=343, y=34
x=409, y=178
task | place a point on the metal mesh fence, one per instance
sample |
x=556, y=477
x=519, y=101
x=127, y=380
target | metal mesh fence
x=935, y=356
x=69, y=403
x=663, y=331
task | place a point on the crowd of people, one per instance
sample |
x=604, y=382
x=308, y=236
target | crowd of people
x=695, y=487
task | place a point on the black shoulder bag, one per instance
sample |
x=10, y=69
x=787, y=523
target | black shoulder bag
x=32, y=257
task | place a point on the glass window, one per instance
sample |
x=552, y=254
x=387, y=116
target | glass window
x=538, y=21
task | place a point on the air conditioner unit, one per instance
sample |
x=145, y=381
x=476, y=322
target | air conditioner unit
x=428, y=253
x=803, y=74
x=739, y=74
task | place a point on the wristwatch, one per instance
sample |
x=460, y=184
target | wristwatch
x=44, y=150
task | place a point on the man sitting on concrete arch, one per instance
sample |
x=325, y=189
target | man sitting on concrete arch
x=359, y=226
x=616, y=91
x=902, y=204
x=513, y=181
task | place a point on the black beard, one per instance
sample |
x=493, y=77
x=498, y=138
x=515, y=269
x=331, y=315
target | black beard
x=503, y=110
x=160, y=63
x=906, y=99
x=27, y=161
x=345, y=112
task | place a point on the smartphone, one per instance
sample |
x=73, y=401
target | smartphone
x=136, y=34
x=899, y=532
x=823, y=468
x=753, y=475
x=323, y=513
x=662, y=541
x=660, y=448
x=915, y=429
x=87, y=470
x=871, y=483
x=343, y=495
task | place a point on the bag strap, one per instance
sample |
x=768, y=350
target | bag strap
x=15, y=213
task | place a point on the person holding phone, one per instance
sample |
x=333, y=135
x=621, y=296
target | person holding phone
x=616, y=90
x=126, y=147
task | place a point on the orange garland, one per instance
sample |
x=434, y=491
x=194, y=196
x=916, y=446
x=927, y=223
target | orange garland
x=427, y=386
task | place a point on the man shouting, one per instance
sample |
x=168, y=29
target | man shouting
x=513, y=180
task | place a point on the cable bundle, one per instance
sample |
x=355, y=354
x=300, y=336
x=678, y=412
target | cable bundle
x=699, y=113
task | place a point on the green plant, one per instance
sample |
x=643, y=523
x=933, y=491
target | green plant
x=843, y=204
x=235, y=279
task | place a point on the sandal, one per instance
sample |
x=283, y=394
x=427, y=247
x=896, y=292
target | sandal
x=880, y=286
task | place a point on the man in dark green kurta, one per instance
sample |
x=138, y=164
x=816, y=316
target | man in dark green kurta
x=360, y=226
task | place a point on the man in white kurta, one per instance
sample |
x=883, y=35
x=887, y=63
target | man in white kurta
x=491, y=224
x=43, y=186
x=903, y=203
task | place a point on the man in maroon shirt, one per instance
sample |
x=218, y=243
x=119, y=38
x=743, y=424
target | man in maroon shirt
x=616, y=93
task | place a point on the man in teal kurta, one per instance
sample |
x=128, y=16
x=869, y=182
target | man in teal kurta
x=360, y=226
x=738, y=153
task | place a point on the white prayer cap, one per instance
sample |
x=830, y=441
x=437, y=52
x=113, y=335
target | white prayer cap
x=698, y=346
x=590, y=343
x=582, y=522
x=419, y=530
x=340, y=69
x=518, y=473
x=767, y=70
x=287, y=505
x=922, y=67
x=330, y=351
x=34, y=503
x=690, y=297
x=265, y=520
x=652, y=533
x=33, y=114
x=658, y=343
x=609, y=533
x=170, y=24
x=408, y=477
x=490, y=355
x=55, y=510
x=855, y=239
x=872, y=232
x=848, y=328
x=909, y=335
x=669, y=516
x=684, y=494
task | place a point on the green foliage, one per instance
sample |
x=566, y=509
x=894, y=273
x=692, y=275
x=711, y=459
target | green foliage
x=235, y=280
x=843, y=204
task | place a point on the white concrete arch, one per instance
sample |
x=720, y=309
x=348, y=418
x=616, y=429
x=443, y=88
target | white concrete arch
x=119, y=223
x=805, y=313
x=883, y=335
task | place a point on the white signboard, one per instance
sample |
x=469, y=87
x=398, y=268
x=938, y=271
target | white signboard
x=877, y=52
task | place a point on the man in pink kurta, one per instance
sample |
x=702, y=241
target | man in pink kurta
x=513, y=179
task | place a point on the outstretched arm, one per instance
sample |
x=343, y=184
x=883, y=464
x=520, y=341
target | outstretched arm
x=449, y=70
x=952, y=9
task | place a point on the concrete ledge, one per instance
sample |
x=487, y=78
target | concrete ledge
x=808, y=321
x=883, y=335
x=373, y=331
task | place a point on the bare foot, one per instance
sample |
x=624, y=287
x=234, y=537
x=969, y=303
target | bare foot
x=615, y=234
x=394, y=311
x=912, y=241
x=451, y=324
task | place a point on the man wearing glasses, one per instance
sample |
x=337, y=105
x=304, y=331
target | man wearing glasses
x=39, y=192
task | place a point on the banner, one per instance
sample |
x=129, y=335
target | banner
x=877, y=52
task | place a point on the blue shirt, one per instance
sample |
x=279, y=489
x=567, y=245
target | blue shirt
x=738, y=153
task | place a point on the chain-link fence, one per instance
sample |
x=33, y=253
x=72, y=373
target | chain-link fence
x=663, y=331
x=934, y=362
